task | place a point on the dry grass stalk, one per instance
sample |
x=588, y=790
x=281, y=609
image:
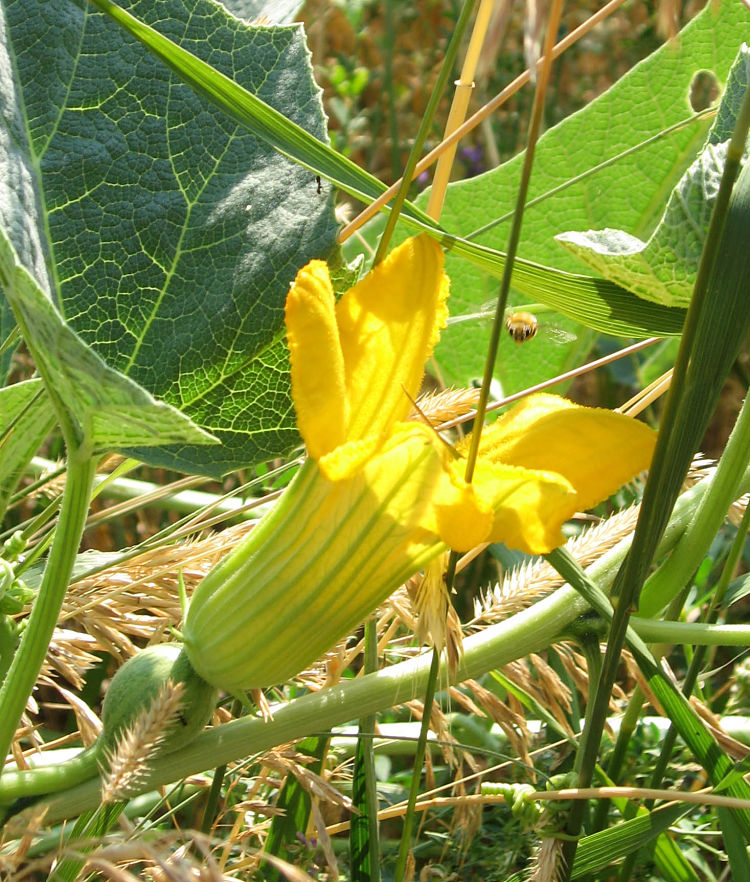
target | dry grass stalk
x=108, y=870
x=181, y=865
x=547, y=865
x=736, y=749
x=288, y=761
x=575, y=665
x=548, y=690
x=510, y=717
x=446, y=405
x=288, y=872
x=324, y=840
x=527, y=584
x=140, y=742
x=436, y=621
x=170, y=856
x=89, y=724
x=466, y=819
x=70, y=655
x=440, y=726
x=18, y=834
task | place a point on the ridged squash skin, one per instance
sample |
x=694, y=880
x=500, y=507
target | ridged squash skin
x=138, y=682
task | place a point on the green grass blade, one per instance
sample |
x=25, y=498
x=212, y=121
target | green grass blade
x=735, y=845
x=671, y=862
x=294, y=801
x=600, y=850
x=359, y=831
x=364, y=833
x=88, y=831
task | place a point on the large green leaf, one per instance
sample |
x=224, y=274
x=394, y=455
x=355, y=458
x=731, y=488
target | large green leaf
x=169, y=236
x=629, y=194
x=103, y=402
x=110, y=409
x=606, y=305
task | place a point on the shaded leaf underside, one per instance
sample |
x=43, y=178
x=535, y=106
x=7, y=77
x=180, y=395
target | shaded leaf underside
x=169, y=235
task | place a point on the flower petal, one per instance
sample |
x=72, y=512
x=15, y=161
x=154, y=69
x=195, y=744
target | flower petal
x=317, y=363
x=433, y=499
x=348, y=459
x=526, y=508
x=530, y=506
x=596, y=450
x=388, y=325
x=462, y=518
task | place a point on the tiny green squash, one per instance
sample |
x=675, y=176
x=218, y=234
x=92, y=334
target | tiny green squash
x=132, y=692
x=136, y=686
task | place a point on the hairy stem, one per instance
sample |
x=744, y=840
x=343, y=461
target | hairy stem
x=29, y=658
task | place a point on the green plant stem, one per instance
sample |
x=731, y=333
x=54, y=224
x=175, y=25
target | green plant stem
x=704, y=358
x=53, y=777
x=691, y=633
x=212, y=800
x=28, y=660
x=406, y=834
x=364, y=829
x=421, y=746
x=678, y=569
x=211, y=808
x=614, y=767
x=592, y=653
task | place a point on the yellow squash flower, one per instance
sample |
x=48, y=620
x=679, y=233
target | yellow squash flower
x=380, y=497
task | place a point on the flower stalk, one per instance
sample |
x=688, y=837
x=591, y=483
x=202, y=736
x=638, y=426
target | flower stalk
x=27, y=662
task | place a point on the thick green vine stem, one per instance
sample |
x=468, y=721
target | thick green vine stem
x=528, y=631
x=32, y=649
x=52, y=778
x=675, y=573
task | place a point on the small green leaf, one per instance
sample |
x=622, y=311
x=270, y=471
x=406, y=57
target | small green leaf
x=664, y=268
x=25, y=419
